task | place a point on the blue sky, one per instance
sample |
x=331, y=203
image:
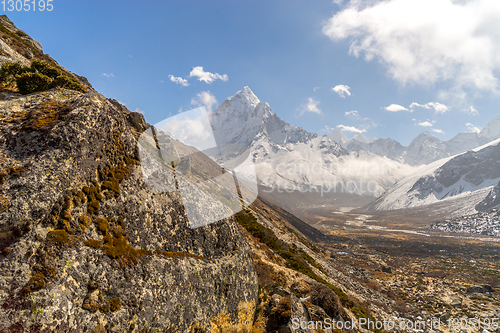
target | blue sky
x=386, y=69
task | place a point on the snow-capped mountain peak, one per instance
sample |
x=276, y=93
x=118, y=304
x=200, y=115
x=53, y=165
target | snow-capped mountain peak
x=424, y=149
x=492, y=129
x=460, y=182
x=242, y=118
x=244, y=100
x=287, y=156
x=361, y=138
x=423, y=136
x=338, y=136
x=239, y=119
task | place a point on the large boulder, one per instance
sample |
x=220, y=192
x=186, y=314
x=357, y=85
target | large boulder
x=87, y=245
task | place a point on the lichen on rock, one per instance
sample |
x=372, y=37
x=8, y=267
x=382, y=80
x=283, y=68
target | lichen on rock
x=92, y=218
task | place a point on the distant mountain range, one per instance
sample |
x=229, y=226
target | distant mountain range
x=468, y=183
x=289, y=158
x=464, y=171
x=424, y=149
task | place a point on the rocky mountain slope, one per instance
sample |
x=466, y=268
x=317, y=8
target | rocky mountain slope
x=85, y=244
x=482, y=223
x=466, y=182
x=424, y=149
x=297, y=279
x=485, y=222
x=288, y=157
x=18, y=47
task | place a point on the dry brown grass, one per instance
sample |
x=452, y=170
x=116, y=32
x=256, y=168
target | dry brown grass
x=244, y=324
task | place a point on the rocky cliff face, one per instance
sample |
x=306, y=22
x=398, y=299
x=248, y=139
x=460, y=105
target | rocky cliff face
x=85, y=245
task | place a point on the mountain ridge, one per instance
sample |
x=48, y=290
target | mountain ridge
x=423, y=149
x=473, y=173
x=287, y=156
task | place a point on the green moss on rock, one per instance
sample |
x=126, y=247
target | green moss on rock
x=178, y=254
x=111, y=184
x=84, y=222
x=105, y=308
x=58, y=236
x=115, y=304
x=102, y=225
x=121, y=222
x=95, y=243
x=93, y=207
x=119, y=248
x=38, y=280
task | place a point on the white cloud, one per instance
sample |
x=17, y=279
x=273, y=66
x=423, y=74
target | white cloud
x=310, y=106
x=425, y=124
x=328, y=129
x=207, y=77
x=316, y=88
x=438, y=107
x=351, y=129
x=342, y=90
x=413, y=105
x=352, y=113
x=396, y=108
x=204, y=98
x=191, y=128
x=108, y=75
x=472, y=111
x=425, y=41
x=429, y=124
x=178, y=80
x=473, y=129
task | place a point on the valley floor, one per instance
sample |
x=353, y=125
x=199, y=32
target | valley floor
x=429, y=274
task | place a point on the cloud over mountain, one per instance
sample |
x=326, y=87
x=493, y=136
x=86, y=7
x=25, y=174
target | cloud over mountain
x=311, y=106
x=351, y=129
x=204, y=98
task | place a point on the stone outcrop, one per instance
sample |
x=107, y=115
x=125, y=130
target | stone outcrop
x=86, y=245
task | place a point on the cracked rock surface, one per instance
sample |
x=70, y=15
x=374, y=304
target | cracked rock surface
x=86, y=245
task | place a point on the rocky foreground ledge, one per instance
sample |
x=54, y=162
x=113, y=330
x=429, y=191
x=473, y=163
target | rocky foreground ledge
x=85, y=245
